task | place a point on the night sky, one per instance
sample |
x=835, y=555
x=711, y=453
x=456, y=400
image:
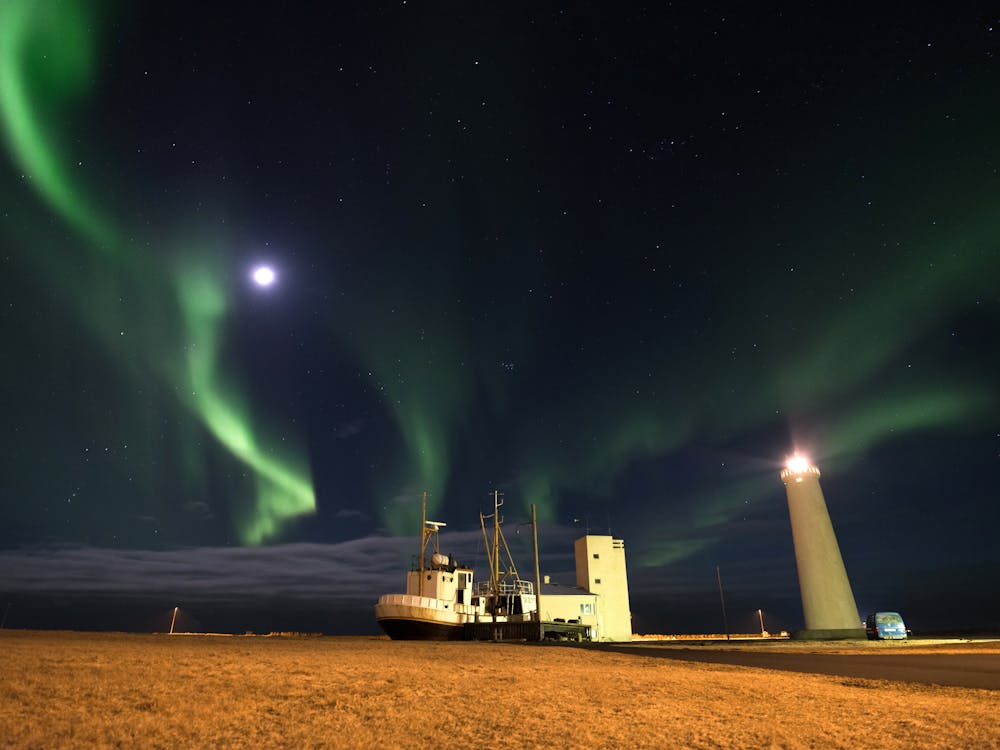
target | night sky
x=617, y=261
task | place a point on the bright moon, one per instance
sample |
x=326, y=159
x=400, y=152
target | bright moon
x=263, y=276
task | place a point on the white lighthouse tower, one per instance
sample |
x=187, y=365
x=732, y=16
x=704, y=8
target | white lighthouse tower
x=827, y=600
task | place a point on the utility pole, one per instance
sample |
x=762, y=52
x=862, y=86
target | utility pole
x=722, y=598
x=538, y=578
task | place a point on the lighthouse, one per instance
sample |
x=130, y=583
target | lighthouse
x=827, y=600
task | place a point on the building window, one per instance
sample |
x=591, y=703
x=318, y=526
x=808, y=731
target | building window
x=597, y=556
x=597, y=580
x=587, y=608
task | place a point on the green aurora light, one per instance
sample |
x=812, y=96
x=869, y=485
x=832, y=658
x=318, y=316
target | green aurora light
x=46, y=62
x=436, y=361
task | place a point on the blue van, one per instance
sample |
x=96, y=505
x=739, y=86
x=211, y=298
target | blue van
x=885, y=626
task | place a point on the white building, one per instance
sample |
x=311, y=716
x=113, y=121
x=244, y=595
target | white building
x=600, y=597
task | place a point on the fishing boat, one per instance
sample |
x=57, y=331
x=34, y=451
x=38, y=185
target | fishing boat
x=443, y=602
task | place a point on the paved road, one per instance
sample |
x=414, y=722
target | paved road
x=960, y=670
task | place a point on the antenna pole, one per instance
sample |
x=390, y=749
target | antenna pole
x=423, y=543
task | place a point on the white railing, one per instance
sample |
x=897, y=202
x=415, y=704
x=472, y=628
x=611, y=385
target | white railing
x=485, y=588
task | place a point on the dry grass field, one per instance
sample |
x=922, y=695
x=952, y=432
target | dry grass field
x=116, y=690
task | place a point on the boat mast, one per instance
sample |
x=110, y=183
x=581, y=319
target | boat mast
x=487, y=546
x=496, y=541
x=493, y=548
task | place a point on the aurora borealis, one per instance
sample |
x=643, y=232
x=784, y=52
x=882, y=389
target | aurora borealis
x=616, y=262
x=47, y=51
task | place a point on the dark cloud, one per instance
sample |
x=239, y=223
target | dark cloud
x=354, y=571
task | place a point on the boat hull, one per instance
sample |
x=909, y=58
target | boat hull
x=408, y=629
x=418, y=618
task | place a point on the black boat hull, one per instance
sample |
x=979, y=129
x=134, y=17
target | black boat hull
x=405, y=629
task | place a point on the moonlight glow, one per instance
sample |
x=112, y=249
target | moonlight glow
x=263, y=276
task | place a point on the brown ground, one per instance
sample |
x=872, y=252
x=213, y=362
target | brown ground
x=85, y=690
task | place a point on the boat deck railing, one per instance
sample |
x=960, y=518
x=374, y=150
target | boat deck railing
x=517, y=586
